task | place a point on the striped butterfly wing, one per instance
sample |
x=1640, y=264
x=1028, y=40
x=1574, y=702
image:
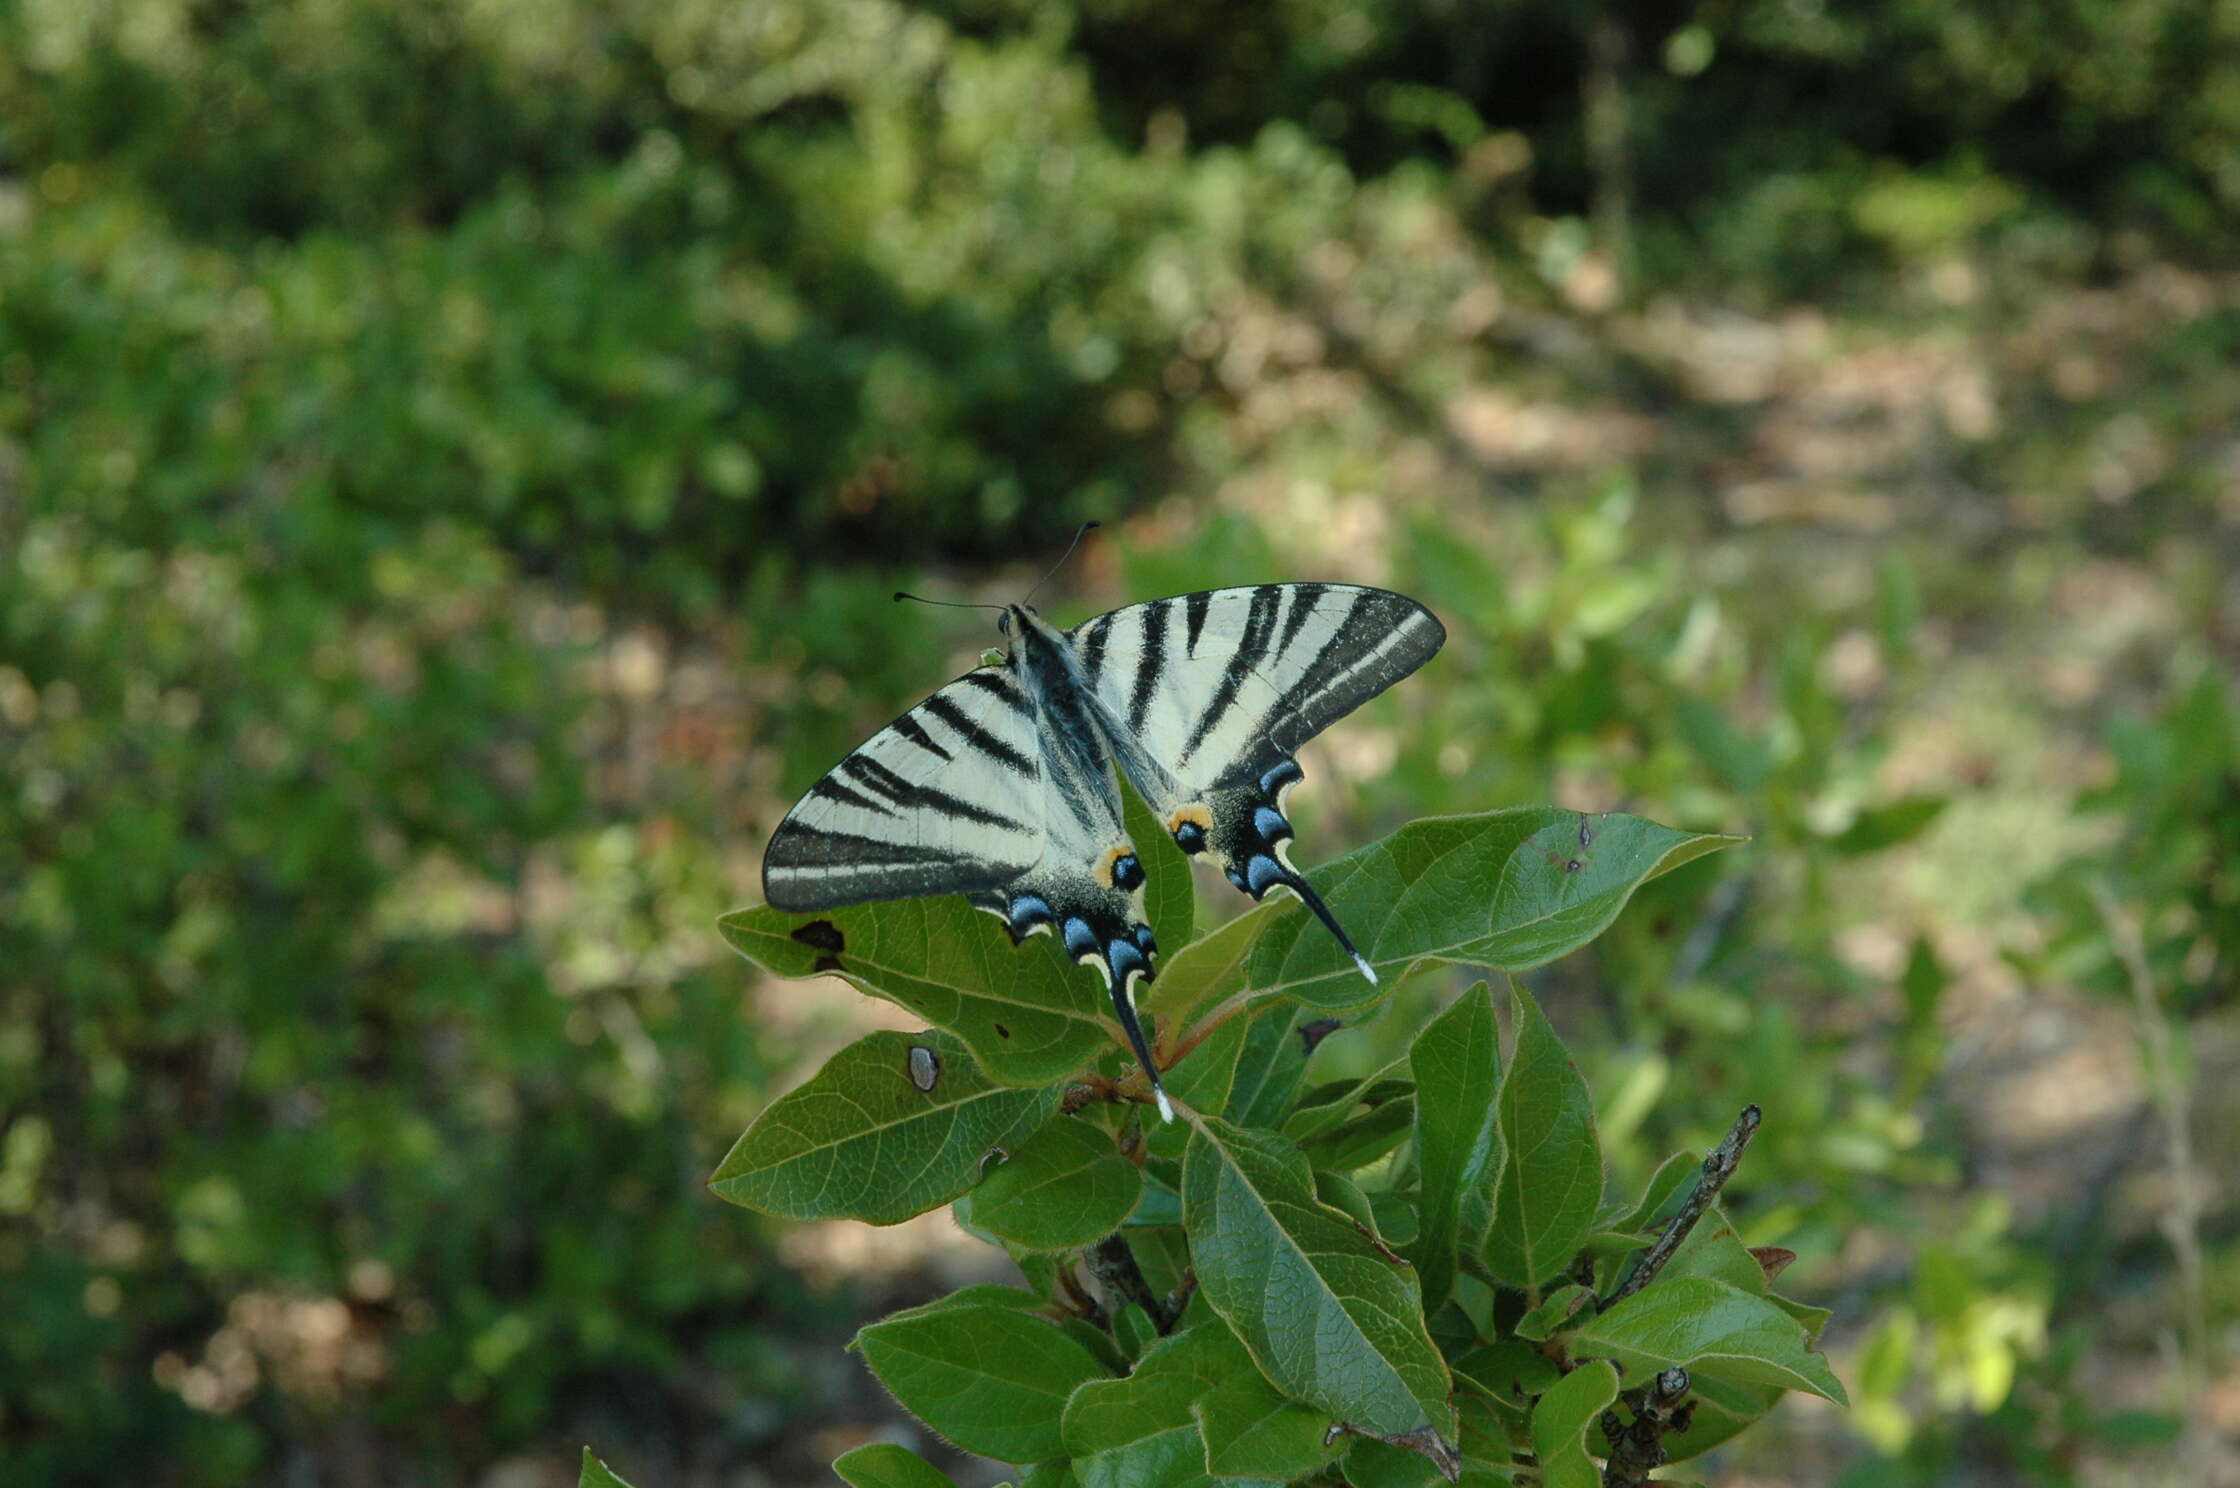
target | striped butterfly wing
x=1207, y=696
x=947, y=799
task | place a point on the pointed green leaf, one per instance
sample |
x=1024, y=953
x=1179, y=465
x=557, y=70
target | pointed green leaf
x=1029, y=1015
x=1551, y=1184
x=1560, y=1422
x=1251, y=1431
x=1660, y=1195
x=1139, y=1432
x=993, y=1380
x=1456, y=1061
x=885, y=1465
x=596, y=1474
x=1421, y=897
x=1331, y=1319
x=861, y=1141
x=1360, y=1140
x=1269, y=1066
x=1549, y=1318
x=1714, y=1330
x=1065, y=1187
x=1714, y=1250
x=1201, y=1081
x=1209, y=967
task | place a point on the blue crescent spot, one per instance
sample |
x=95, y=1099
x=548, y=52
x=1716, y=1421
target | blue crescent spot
x=1281, y=773
x=1145, y=942
x=1269, y=823
x=1123, y=957
x=1081, y=940
x=1262, y=874
x=1238, y=879
x=1030, y=909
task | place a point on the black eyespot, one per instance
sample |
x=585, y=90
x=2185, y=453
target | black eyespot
x=1190, y=837
x=1127, y=872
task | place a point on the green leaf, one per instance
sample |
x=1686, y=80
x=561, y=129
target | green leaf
x=1326, y=1107
x=1140, y=1432
x=1549, y=1318
x=1551, y=1184
x=596, y=1474
x=1269, y=1066
x=1348, y=1335
x=885, y=1465
x=1886, y=826
x=1724, y=1408
x=1208, y=967
x=1201, y=1081
x=1251, y=1431
x=1065, y=1187
x=993, y=1380
x=1508, y=1372
x=861, y=1141
x=1506, y=889
x=1714, y=1330
x=1561, y=1420
x=1169, y=899
x=1355, y=1144
x=1456, y=1061
x=1714, y=1250
x=1657, y=1196
x=1029, y=1015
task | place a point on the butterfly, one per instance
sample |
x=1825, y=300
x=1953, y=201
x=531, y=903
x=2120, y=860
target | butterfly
x=1001, y=785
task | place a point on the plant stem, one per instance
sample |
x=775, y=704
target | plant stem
x=1718, y=1166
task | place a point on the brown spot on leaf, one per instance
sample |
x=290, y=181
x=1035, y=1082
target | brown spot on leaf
x=1573, y=866
x=828, y=963
x=1002, y=1032
x=1311, y=1034
x=1772, y=1259
x=822, y=935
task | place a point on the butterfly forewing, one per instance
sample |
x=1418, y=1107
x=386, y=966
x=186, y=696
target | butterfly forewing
x=944, y=800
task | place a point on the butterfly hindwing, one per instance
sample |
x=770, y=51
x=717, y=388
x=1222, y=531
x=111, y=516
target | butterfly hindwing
x=947, y=799
x=1207, y=696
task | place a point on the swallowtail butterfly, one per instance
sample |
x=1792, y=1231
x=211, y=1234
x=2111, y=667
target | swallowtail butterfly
x=1000, y=786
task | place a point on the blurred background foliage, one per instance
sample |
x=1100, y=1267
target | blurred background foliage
x=454, y=455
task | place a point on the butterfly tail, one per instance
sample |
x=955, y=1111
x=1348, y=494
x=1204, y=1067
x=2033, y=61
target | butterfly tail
x=1298, y=884
x=1124, y=1004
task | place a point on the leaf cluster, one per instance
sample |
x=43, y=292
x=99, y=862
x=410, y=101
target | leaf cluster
x=1400, y=1276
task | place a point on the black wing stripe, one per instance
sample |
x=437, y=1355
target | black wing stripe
x=1194, y=608
x=926, y=797
x=992, y=681
x=909, y=728
x=826, y=848
x=830, y=789
x=1150, y=664
x=979, y=738
x=1094, y=635
x=1259, y=623
x=1304, y=597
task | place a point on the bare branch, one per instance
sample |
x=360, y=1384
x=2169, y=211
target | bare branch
x=1718, y=1166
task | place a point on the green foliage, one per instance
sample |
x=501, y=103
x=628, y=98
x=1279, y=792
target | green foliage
x=1302, y=1337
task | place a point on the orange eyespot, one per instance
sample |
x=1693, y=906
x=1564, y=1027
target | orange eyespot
x=1119, y=868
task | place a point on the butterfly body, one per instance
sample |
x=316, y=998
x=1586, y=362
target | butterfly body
x=1001, y=786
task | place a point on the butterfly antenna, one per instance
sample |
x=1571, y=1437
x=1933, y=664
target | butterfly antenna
x=1124, y=1003
x=1298, y=884
x=1079, y=533
x=948, y=604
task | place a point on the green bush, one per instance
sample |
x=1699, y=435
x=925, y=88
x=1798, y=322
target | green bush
x=1407, y=1274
